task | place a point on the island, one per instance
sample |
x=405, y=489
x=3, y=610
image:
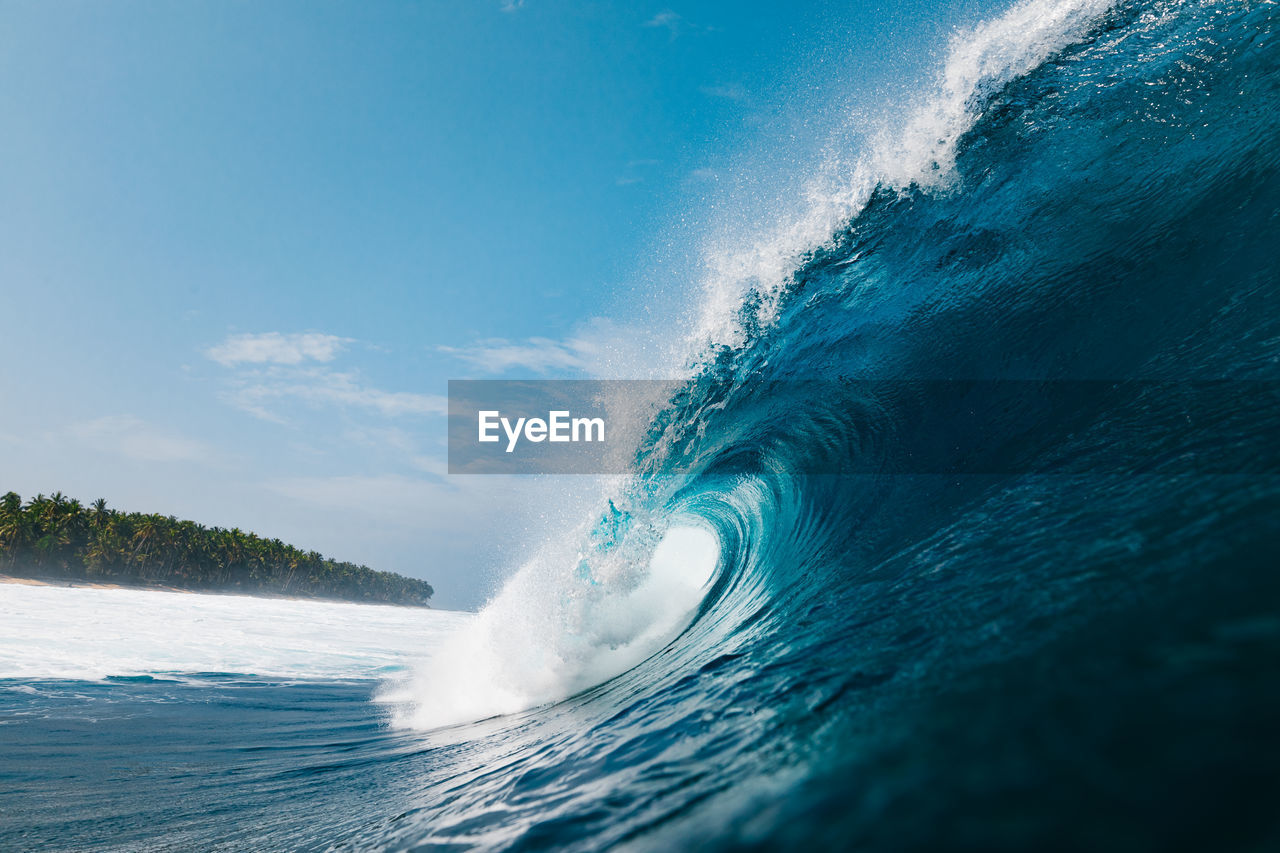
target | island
x=56, y=538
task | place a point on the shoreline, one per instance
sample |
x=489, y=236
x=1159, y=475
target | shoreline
x=85, y=584
x=76, y=583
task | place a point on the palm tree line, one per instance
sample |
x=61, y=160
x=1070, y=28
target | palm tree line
x=59, y=537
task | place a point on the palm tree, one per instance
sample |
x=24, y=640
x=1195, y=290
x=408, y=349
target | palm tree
x=16, y=528
x=57, y=532
x=100, y=513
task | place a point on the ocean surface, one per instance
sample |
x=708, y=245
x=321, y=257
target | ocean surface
x=783, y=630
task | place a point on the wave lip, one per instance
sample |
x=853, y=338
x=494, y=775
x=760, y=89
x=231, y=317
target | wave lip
x=908, y=147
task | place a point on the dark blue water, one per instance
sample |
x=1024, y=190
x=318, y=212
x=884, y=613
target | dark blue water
x=136, y=764
x=887, y=661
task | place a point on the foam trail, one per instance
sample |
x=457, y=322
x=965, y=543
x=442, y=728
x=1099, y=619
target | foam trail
x=84, y=634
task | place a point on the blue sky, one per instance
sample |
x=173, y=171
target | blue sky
x=243, y=246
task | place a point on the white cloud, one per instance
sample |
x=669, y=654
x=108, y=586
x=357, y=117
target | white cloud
x=598, y=348
x=512, y=5
x=667, y=19
x=675, y=24
x=277, y=348
x=578, y=353
x=273, y=367
x=540, y=355
x=126, y=435
x=730, y=92
x=322, y=387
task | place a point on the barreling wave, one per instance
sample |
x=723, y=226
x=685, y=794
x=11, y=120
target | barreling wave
x=1089, y=192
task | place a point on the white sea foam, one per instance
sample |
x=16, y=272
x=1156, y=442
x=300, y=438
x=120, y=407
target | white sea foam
x=49, y=632
x=552, y=633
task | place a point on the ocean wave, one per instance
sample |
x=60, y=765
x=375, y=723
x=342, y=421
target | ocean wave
x=1087, y=193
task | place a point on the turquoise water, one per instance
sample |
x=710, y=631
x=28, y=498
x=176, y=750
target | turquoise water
x=1022, y=658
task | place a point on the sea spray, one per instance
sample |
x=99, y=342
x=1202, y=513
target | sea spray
x=550, y=633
